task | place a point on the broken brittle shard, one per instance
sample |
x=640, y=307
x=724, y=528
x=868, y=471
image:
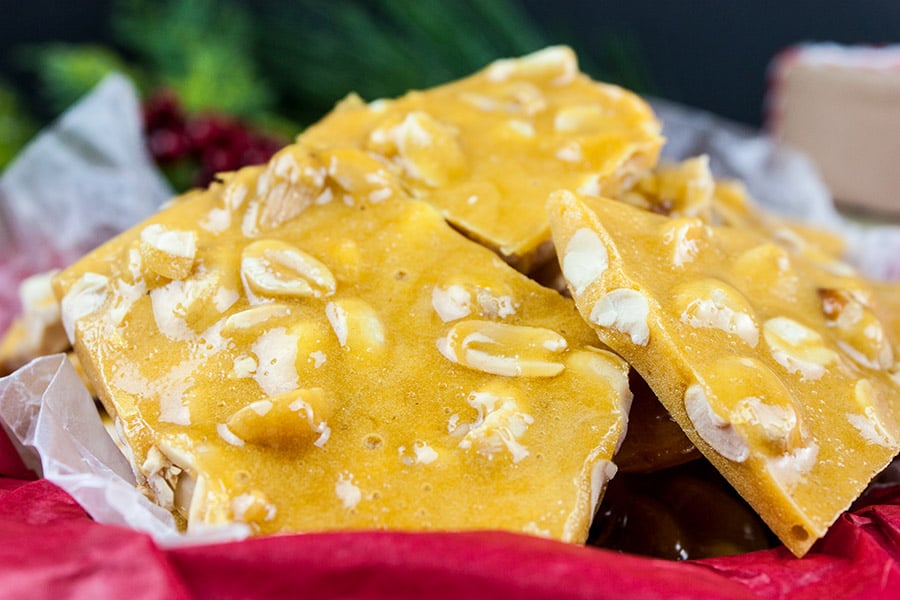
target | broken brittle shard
x=37, y=331
x=769, y=355
x=303, y=347
x=488, y=149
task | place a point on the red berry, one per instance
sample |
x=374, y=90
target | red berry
x=214, y=142
x=219, y=159
x=167, y=145
x=162, y=110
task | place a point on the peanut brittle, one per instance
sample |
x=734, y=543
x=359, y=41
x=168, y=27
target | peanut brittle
x=888, y=296
x=772, y=361
x=688, y=189
x=486, y=150
x=37, y=331
x=684, y=189
x=302, y=347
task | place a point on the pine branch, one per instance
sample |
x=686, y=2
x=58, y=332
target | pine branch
x=16, y=125
x=317, y=51
x=201, y=49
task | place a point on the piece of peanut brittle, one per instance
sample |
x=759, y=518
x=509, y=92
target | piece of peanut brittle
x=486, y=150
x=302, y=347
x=772, y=361
x=37, y=330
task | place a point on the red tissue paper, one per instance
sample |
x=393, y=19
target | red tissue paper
x=50, y=548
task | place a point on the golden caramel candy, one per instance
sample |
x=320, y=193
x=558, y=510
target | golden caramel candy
x=688, y=189
x=37, y=331
x=486, y=150
x=732, y=205
x=337, y=357
x=772, y=361
x=682, y=189
x=888, y=294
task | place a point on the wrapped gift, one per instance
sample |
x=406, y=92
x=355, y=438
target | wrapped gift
x=841, y=106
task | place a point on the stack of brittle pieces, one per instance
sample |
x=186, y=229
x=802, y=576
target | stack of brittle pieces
x=425, y=314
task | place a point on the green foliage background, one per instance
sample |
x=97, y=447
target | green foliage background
x=280, y=65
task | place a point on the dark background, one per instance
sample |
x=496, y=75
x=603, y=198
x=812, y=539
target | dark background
x=714, y=53
x=708, y=53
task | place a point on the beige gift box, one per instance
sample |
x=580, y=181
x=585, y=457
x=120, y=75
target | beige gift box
x=841, y=106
